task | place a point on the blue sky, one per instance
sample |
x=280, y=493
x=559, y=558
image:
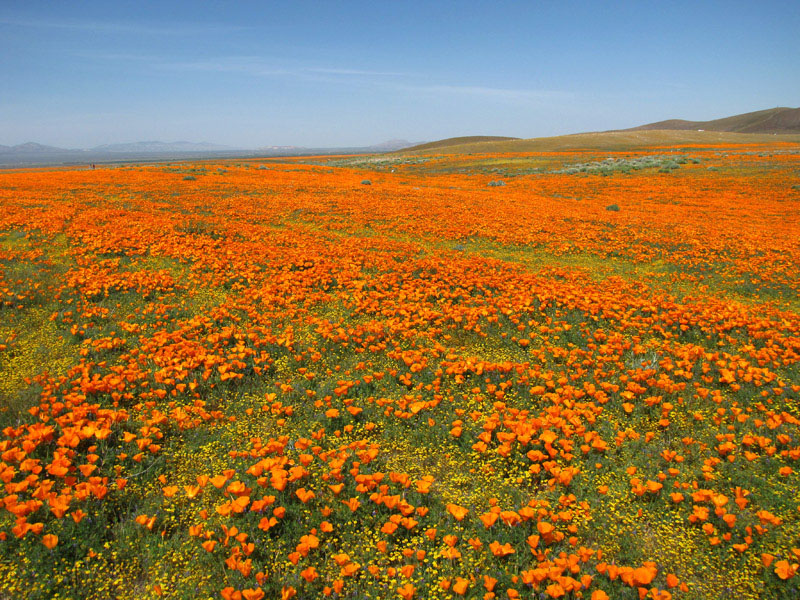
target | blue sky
x=249, y=74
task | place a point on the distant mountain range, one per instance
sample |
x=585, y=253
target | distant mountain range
x=31, y=148
x=134, y=147
x=388, y=146
x=773, y=120
x=161, y=147
x=392, y=145
x=32, y=153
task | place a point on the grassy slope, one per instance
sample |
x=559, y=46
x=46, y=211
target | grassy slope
x=609, y=140
x=774, y=120
x=458, y=141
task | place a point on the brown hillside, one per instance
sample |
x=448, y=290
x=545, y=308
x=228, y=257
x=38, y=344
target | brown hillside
x=457, y=141
x=609, y=140
x=774, y=120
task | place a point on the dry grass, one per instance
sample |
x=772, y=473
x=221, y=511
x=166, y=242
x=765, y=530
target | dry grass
x=607, y=140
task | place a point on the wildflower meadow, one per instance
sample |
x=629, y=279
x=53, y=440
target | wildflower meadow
x=568, y=374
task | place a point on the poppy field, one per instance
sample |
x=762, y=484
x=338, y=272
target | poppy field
x=560, y=375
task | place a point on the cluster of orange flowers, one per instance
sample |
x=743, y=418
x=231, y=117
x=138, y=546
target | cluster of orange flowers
x=318, y=329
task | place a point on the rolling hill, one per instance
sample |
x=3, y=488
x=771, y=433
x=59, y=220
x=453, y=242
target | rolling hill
x=606, y=140
x=748, y=128
x=773, y=120
x=458, y=141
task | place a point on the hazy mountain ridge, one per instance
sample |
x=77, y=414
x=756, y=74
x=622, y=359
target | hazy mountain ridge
x=156, y=146
x=32, y=153
x=391, y=145
x=388, y=146
x=32, y=148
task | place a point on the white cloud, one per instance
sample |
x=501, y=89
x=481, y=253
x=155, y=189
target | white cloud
x=127, y=27
x=257, y=66
x=508, y=94
x=356, y=72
